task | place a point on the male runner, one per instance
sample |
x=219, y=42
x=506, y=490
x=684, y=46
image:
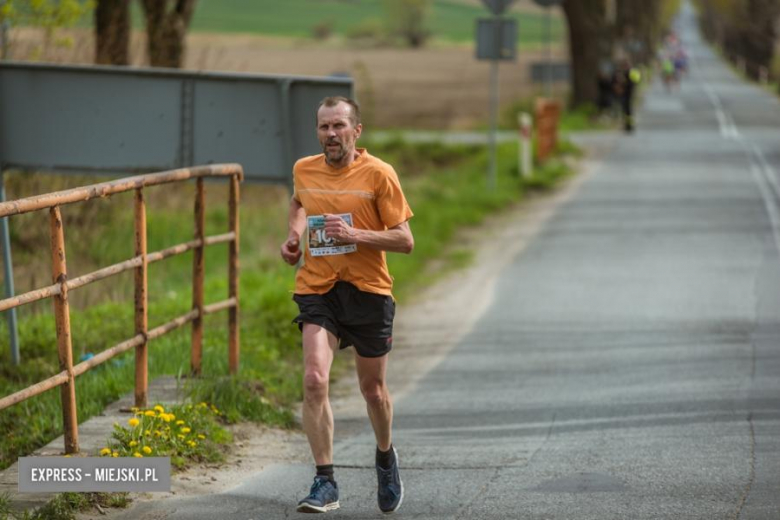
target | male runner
x=352, y=208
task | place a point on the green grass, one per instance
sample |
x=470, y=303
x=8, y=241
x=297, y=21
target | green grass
x=445, y=186
x=449, y=20
x=64, y=506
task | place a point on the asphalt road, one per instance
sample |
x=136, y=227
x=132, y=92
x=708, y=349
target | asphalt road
x=628, y=365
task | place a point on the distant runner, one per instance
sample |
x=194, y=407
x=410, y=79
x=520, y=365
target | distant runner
x=626, y=77
x=352, y=209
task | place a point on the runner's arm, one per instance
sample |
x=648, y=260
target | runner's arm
x=296, y=224
x=397, y=239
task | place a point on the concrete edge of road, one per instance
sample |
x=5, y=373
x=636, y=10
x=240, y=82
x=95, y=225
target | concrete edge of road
x=425, y=332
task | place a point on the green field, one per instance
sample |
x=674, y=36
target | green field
x=449, y=20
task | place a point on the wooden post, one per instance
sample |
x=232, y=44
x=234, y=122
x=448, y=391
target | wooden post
x=233, y=334
x=197, y=280
x=62, y=317
x=141, y=312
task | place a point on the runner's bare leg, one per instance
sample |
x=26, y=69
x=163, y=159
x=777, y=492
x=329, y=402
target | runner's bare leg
x=372, y=376
x=319, y=347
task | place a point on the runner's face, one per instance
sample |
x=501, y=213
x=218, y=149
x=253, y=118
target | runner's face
x=337, y=134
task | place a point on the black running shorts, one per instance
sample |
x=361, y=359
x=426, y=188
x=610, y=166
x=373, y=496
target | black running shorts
x=357, y=318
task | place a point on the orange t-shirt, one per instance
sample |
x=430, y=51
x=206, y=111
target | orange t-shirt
x=368, y=193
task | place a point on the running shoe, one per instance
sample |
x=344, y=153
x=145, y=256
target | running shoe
x=390, y=492
x=323, y=497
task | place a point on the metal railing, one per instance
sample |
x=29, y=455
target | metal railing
x=58, y=291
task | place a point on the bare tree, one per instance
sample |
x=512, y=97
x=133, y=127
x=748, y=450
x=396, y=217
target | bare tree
x=167, y=22
x=112, y=32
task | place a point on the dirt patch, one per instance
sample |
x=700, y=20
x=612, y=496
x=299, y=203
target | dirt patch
x=442, y=87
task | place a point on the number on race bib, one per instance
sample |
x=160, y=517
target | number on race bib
x=322, y=245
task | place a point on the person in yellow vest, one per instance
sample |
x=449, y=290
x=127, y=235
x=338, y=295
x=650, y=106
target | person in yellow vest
x=626, y=78
x=349, y=209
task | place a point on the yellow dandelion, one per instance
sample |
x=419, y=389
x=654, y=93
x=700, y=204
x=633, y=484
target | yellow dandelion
x=157, y=433
x=147, y=450
x=179, y=423
x=133, y=422
x=115, y=454
x=166, y=417
x=133, y=443
x=105, y=451
x=201, y=436
x=180, y=436
x=149, y=413
x=136, y=454
x=159, y=409
x=192, y=444
x=185, y=430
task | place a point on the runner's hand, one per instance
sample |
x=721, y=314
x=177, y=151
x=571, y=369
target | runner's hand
x=291, y=251
x=335, y=227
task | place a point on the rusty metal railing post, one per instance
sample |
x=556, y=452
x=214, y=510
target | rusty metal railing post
x=141, y=310
x=198, y=270
x=62, y=317
x=233, y=334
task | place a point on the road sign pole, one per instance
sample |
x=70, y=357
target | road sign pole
x=549, y=52
x=8, y=272
x=496, y=40
x=492, y=175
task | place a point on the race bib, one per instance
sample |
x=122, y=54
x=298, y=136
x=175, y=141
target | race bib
x=322, y=245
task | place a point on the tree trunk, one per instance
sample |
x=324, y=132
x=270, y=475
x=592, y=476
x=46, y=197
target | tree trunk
x=759, y=35
x=588, y=33
x=166, y=31
x=112, y=32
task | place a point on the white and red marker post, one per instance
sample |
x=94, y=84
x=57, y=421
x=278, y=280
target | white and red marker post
x=525, y=145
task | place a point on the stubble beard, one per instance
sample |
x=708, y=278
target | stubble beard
x=334, y=157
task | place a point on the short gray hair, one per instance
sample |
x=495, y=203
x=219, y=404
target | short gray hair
x=332, y=101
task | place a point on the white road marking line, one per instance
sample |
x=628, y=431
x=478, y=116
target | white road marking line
x=728, y=129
